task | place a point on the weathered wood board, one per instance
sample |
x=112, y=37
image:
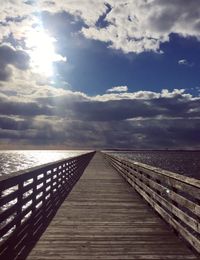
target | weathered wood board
x=104, y=218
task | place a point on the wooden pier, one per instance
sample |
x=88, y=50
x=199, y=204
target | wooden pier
x=103, y=217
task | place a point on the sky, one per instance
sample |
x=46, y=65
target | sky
x=100, y=74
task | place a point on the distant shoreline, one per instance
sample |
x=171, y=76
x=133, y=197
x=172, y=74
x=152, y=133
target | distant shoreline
x=108, y=149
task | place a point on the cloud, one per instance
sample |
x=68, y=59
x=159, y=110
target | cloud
x=141, y=119
x=165, y=93
x=10, y=56
x=5, y=73
x=35, y=113
x=185, y=62
x=130, y=26
x=18, y=58
x=138, y=26
x=118, y=89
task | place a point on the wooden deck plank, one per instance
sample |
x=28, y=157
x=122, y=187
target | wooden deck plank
x=104, y=218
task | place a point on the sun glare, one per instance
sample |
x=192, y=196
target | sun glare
x=42, y=52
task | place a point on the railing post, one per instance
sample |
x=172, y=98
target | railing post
x=19, y=203
x=22, y=221
x=174, y=197
x=34, y=194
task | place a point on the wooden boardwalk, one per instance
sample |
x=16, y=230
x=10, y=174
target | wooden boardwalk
x=104, y=218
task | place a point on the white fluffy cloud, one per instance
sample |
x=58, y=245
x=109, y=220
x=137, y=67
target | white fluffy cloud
x=139, y=25
x=128, y=25
x=118, y=89
x=17, y=17
x=36, y=112
x=147, y=95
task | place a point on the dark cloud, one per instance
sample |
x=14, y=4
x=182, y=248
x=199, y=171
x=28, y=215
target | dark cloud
x=116, y=110
x=23, y=108
x=140, y=134
x=5, y=73
x=10, y=56
x=10, y=123
x=156, y=121
x=162, y=122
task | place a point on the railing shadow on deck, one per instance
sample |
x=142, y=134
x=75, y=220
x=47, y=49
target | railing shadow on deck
x=176, y=198
x=30, y=199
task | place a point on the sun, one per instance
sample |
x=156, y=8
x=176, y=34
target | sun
x=42, y=52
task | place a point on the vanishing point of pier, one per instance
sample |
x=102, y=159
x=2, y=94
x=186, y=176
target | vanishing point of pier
x=98, y=206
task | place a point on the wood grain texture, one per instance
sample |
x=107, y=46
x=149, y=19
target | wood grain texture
x=104, y=218
x=176, y=206
x=30, y=199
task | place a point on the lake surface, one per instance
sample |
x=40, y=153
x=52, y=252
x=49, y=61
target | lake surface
x=182, y=162
x=12, y=161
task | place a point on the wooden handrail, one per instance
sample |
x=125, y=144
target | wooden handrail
x=29, y=198
x=175, y=197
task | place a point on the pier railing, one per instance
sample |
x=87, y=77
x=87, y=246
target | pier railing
x=29, y=199
x=175, y=197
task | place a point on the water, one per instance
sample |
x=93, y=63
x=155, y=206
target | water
x=182, y=162
x=12, y=161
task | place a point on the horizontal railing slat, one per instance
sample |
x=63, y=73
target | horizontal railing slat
x=170, y=175
x=6, y=199
x=190, y=189
x=194, y=208
x=172, y=179
x=8, y=226
x=183, y=231
x=7, y=213
x=176, y=203
x=175, y=210
x=29, y=188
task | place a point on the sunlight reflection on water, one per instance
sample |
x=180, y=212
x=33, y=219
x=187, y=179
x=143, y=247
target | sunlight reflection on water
x=12, y=161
